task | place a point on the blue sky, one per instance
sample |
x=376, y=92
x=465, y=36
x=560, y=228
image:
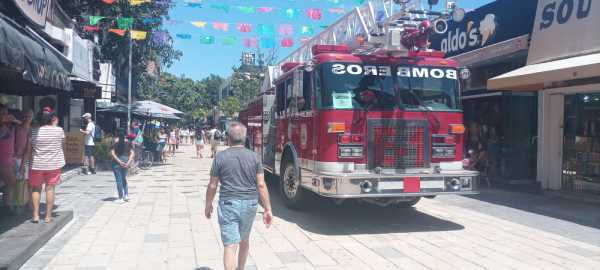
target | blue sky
x=200, y=60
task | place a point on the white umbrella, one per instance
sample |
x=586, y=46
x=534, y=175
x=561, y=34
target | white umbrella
x=151, y=108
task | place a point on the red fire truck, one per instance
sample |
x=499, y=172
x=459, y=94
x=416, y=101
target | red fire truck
x=382, y=127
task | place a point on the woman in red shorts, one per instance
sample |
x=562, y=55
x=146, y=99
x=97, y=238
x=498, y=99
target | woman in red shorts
x=47, y=159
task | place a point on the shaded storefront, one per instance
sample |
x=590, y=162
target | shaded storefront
x=563, y=65
x=492, y=40
x=32, y=70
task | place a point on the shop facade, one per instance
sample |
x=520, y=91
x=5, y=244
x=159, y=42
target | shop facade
x=491, y=40
x=43, y=61
x=563, y=66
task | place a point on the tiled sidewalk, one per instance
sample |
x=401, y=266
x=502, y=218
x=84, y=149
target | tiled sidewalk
x=163, y=227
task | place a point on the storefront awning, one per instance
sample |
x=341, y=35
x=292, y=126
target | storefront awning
x=31, y=59
x=536, y=76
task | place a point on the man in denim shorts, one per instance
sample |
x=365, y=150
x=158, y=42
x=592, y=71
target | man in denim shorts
x=240, y=173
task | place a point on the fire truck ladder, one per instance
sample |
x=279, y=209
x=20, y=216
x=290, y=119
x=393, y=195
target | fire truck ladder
x=375, y=26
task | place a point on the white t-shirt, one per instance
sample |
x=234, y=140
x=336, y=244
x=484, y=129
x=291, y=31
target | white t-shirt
x=89, y=138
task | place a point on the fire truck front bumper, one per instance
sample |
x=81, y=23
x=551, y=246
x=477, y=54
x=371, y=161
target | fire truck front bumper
x=372, y=185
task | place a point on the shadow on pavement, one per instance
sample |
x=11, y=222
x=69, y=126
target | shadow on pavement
x=8, y=222
x=325, y=217
x=581, y=213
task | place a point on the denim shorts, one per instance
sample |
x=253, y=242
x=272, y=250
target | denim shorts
x=235, y=219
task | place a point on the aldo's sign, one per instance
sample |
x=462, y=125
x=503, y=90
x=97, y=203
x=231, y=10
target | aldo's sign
x=495, y=22
x=564, y=28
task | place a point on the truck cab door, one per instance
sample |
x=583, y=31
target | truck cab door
x=302, y=125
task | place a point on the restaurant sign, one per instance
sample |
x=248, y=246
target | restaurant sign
x=34, y=10
x=564, y=28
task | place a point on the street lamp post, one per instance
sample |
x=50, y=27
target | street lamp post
x=129, y=87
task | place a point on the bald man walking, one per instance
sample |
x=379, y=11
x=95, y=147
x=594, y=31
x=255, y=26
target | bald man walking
x=240, y=173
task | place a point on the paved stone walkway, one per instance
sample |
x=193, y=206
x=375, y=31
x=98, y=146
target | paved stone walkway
x=163, y=227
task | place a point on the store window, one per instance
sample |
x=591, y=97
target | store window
x=581, y=147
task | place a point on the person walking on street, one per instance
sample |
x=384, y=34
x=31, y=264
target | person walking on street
x=123, y=155
x=177, y=138
x=199, y=142
x=240, y=174
x=89, y=131
x=162, y=142
x=46, y=155
x=172, y=141
x=214, y=141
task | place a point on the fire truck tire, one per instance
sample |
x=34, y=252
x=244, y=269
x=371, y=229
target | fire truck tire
x=408, y=204
x=292, y=193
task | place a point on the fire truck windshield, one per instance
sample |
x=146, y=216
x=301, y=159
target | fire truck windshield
x=372, y=86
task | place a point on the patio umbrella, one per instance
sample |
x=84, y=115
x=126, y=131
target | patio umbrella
x=153, y=109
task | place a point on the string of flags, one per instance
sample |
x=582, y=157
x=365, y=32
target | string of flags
x=161, y=37
x=290, y=13
x=248, y=42
x=265, y=35
x=267, y=30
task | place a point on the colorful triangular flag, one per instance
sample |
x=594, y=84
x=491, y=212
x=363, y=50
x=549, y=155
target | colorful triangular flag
x=266, y=30
x=250, y=43
x=183, y=36
x=125, y=23
x=314, y=13
x=229, y=40
x=119, y=32
x=244, y=27
x=138, y=2
x=247, y=10
x=95, y=19
x=138, y=35
x=287, y=42
x=200, y=24
x=207, y=40
x=221, y=26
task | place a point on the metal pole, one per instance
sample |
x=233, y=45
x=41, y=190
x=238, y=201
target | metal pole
x=129, y=88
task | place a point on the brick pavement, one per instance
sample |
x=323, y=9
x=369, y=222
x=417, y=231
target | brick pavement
x=163, y=227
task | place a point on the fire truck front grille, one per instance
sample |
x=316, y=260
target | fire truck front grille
x=398, y=144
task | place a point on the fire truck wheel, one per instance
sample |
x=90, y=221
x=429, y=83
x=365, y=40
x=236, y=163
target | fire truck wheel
x=292, y=192
x=408, y=204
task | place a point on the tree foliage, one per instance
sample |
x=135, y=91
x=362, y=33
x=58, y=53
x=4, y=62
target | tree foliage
x=230, y=106
x=196, y=98
x=245, y=85
x=115, y=48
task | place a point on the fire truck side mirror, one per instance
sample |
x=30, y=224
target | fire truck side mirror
x=465, y=73
x=309, y=67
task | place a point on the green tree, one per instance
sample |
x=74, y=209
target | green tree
x=230, y=106
x=147, y=17
x=245, y=86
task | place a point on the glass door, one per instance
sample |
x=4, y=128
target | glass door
x=581, y=147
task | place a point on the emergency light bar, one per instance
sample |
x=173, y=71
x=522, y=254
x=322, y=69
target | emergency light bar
x=319, y=49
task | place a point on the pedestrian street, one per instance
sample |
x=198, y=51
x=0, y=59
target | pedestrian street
x=163, y=227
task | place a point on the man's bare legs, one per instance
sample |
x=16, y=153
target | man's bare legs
x=243, y=254
x=229, y=256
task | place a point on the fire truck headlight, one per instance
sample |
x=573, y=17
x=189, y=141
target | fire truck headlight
x=443, y=152
x=357, y=152
x=350, y=152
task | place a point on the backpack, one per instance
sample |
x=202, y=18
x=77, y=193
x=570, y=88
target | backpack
x=98, y=134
